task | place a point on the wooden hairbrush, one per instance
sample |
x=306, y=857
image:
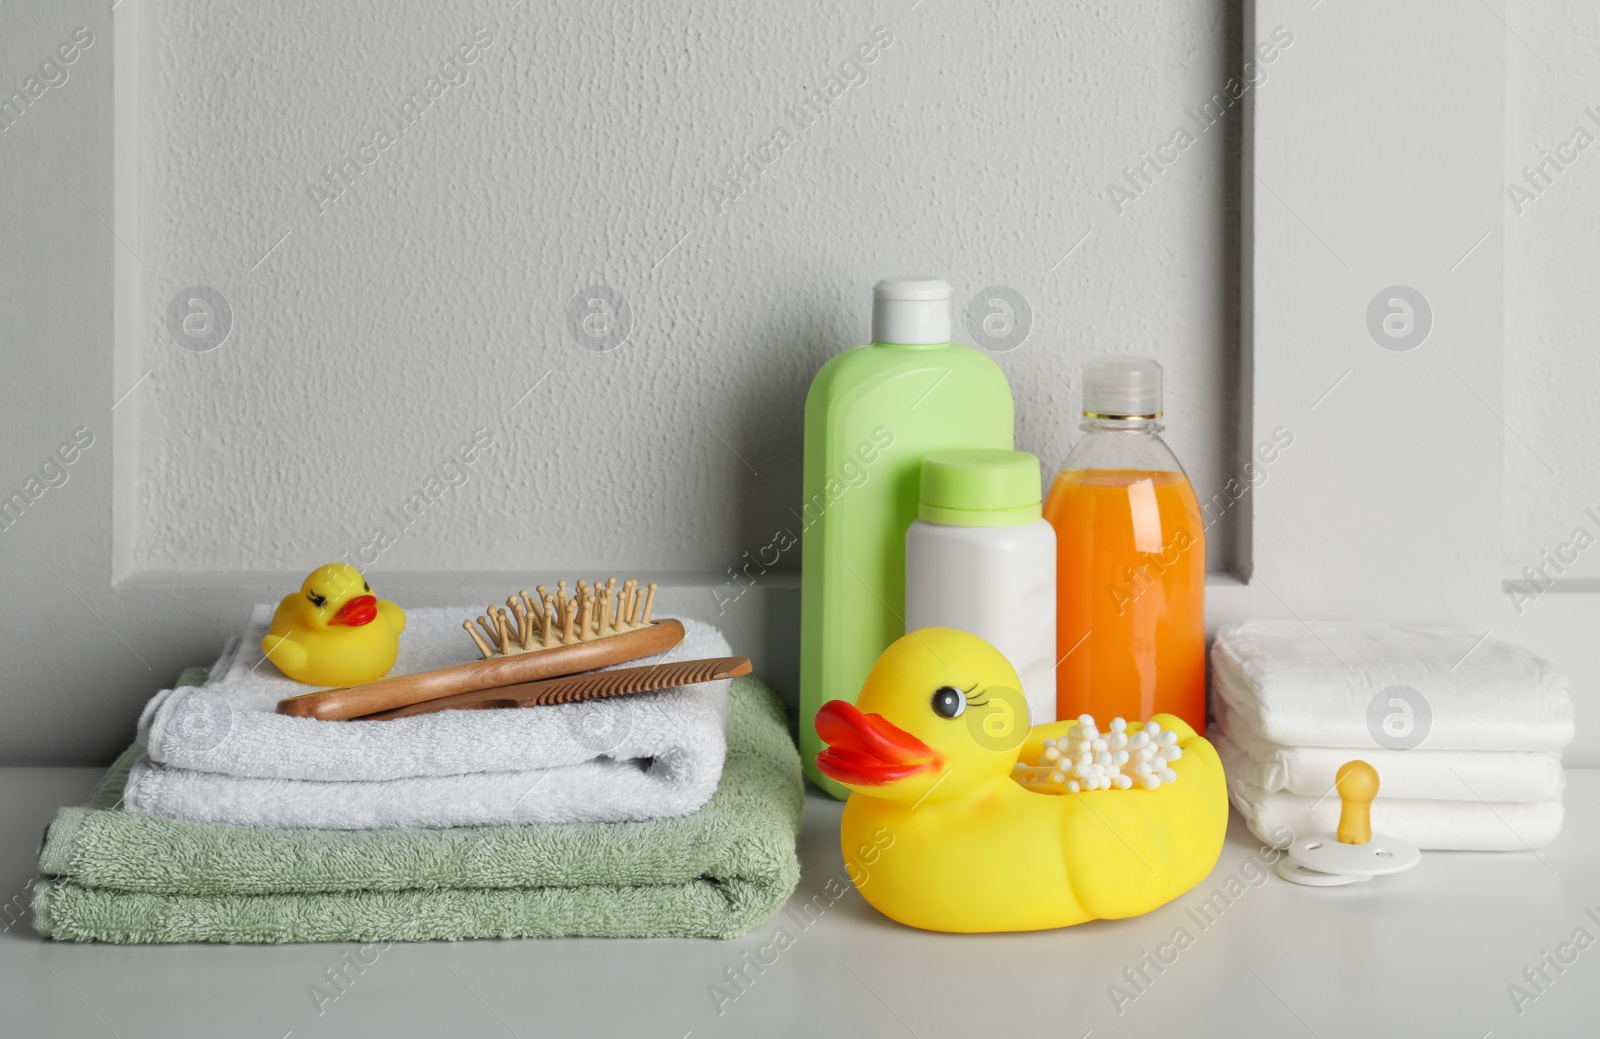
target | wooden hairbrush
x=403, y=690
x=571, y=688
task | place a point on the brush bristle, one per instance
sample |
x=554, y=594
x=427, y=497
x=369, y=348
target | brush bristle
x=530, y=623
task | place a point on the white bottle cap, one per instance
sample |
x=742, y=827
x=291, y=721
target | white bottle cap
x=911, y=311
x=1122, y=388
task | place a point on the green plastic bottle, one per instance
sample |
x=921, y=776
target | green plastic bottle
x=872, y=413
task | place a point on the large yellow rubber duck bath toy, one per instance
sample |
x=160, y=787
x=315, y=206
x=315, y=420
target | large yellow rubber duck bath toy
x=957, y=844
x=334, y=631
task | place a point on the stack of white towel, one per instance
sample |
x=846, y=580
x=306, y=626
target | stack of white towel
x=221, y=753
x=1466, y=732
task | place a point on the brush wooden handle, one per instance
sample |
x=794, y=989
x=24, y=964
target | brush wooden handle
x=387, y=694
x=593, y=686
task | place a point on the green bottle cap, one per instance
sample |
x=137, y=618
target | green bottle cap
x=980, y=488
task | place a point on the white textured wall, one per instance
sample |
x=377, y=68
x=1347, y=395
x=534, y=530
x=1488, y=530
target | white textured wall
x=1552, y=379
x=584, y=147
x=370, y=339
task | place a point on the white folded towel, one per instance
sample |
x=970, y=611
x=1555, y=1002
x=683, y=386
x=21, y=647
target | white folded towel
x=1279, y=819
x=221, y=753
x=603, y=789
x=230, y=725
x=1437, y=775
x=1311, y=686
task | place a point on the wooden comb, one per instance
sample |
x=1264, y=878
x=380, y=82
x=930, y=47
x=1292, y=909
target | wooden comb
x=593, y=686
x=552, y=620
x=387, y=694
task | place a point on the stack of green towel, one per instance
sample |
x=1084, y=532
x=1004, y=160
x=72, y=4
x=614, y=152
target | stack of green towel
x=112, y=876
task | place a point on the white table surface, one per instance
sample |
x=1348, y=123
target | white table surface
x=1427, y=953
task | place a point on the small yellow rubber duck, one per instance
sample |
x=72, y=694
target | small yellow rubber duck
x=334, y=631
x=945, y=839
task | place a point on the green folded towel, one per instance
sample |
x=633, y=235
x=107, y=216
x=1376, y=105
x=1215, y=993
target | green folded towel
x=111, y=876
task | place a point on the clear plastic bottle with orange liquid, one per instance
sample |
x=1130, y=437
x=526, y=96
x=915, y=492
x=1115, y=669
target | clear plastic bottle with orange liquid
x=1130, y=558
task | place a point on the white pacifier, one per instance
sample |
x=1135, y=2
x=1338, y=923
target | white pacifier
x=1355, y=853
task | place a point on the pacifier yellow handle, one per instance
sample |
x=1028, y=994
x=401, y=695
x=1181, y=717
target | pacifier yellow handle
x=1357, y=783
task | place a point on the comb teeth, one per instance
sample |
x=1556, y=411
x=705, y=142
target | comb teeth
x=595, y=685
x=602, y=684
x=529, y=623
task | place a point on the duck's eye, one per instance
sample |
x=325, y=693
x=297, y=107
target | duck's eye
x=319, y=601
x=949, y=702
x=366, y=587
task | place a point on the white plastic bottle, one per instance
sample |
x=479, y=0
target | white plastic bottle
x=980, y=558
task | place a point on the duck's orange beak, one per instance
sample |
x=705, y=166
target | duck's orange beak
x=867, y=749
x=358, y=611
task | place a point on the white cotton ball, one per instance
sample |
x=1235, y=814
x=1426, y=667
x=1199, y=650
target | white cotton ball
x=1087, y=760
x=1152, y=729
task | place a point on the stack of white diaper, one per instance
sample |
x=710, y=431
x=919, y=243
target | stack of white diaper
x=1465, y=732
